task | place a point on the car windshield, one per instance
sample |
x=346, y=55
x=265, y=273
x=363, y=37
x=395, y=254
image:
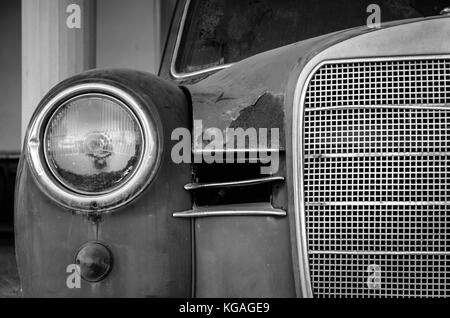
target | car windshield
x=220, y=32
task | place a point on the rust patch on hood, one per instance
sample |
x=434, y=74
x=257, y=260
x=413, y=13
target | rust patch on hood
x=267, y=112
x=259, y=109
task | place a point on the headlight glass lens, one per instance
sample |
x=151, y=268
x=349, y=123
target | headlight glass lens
x=93, y=144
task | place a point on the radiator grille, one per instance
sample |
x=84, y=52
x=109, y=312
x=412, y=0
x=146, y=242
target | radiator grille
x=376, y=179
x=400, y=275
x=403, y=82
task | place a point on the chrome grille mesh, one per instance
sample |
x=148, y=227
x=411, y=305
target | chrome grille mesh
x=403, y=82
x=376, y=178
x=401, y=275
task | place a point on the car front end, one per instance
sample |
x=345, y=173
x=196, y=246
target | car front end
x=351, y=201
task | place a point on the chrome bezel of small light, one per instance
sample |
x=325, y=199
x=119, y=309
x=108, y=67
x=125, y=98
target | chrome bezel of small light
x=97, y=202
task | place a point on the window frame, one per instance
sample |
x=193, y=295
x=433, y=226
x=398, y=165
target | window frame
x=175, y=55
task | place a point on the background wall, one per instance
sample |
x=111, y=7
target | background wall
x=131, y=33
x=10, y=75
x=52, y=50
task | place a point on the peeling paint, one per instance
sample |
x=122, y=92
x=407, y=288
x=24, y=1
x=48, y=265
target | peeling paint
x=267, y=112
x=243, y=103
x=261, y=109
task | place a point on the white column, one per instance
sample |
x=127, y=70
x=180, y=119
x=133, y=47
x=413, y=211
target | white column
x=52, y=48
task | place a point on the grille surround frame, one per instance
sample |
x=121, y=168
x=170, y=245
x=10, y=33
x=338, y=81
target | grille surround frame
x=298, y=151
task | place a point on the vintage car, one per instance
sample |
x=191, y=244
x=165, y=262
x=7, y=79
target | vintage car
x=353, y=201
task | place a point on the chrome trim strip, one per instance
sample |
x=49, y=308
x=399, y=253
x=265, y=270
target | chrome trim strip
x=151, y=154
x=380, y=154
x=375, y=253
x=257, y=209
x=382, y=59
x=192, y=214
x=305, y=77
x=376, y=203
x=298, y=154
x=433, y=107
x=243, y=183
x=173, y=71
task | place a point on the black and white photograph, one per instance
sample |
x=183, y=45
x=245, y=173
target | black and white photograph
x=225, y=154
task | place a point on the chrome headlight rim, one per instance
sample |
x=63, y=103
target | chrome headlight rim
x=45, y=142
x=143, y=175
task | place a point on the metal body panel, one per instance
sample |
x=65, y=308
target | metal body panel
x=243, y=257
x=151, y=249
x=44, y=235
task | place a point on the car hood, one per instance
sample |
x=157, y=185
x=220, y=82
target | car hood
x=256, y=91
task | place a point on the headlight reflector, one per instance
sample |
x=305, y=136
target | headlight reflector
x=93, y=144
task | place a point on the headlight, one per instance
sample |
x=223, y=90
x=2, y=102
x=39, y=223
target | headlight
x=93, y=147
x=93, y=144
